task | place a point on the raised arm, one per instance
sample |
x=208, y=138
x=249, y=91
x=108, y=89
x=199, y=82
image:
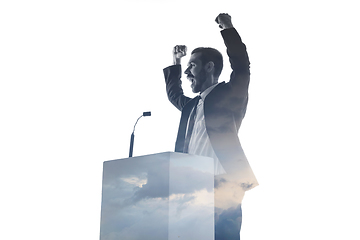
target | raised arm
x=237, y=53
x=172, y=76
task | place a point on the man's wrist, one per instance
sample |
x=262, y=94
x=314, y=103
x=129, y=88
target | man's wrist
x=177, y=61
x=227, y=26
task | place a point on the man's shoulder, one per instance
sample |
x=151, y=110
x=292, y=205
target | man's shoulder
x=220, y=91
x=222, y=86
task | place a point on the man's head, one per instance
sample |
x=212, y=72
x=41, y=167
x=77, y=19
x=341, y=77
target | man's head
x=204, y=68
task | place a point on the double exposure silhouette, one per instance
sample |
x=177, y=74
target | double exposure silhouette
x=195, y=192
x=210, y=122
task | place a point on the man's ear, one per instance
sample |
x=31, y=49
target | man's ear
x=209, y=66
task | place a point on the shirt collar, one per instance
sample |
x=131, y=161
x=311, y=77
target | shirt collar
x=207, y=91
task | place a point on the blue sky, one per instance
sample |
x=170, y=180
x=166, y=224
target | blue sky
x=75, y=76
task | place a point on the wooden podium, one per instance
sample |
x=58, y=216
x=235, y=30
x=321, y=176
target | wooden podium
x=164, y=196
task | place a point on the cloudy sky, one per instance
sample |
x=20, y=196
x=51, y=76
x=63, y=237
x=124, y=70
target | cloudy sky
x=136, y=197
x=75, y=76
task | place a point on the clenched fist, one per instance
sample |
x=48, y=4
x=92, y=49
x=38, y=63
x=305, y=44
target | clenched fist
x=224, y=21
x=179, y=51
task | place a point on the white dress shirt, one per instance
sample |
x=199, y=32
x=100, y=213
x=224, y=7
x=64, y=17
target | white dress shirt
x=199, y=142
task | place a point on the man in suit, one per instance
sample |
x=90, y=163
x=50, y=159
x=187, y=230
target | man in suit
x=210, y=122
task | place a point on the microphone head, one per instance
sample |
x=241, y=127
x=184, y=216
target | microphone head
x=146, y=114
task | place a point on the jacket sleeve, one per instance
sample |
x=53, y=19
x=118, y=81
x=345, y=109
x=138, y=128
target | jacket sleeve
x=174, y=90
x=239, y=60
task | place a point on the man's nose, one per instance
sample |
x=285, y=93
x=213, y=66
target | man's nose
x=187, y=70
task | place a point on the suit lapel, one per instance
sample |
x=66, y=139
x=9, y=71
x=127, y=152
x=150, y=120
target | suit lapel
x=179, y=146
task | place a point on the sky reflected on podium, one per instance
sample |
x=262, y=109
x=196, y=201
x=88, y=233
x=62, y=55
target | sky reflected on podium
x=159, y=196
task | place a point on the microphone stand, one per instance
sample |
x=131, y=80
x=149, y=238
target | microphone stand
x=133, y=135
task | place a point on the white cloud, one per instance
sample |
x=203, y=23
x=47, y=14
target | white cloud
x=135, y=181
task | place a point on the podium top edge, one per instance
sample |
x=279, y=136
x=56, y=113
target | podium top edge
x=159, y=154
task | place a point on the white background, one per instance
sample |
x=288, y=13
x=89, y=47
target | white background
x=75, y=75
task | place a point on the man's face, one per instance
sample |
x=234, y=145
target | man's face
x=196, y=73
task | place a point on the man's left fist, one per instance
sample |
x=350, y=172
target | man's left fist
x=224, y=21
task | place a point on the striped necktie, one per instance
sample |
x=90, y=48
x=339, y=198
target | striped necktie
x=191, y=122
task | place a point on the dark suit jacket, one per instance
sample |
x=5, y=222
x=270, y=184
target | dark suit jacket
x=224, y=109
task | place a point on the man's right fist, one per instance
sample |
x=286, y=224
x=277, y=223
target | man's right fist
x=179, y=51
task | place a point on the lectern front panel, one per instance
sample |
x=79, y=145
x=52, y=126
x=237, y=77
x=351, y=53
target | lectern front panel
x=160, y=196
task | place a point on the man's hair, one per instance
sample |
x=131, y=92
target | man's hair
x=213, y=55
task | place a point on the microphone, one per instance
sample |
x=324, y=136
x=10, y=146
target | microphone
x=145, y=114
